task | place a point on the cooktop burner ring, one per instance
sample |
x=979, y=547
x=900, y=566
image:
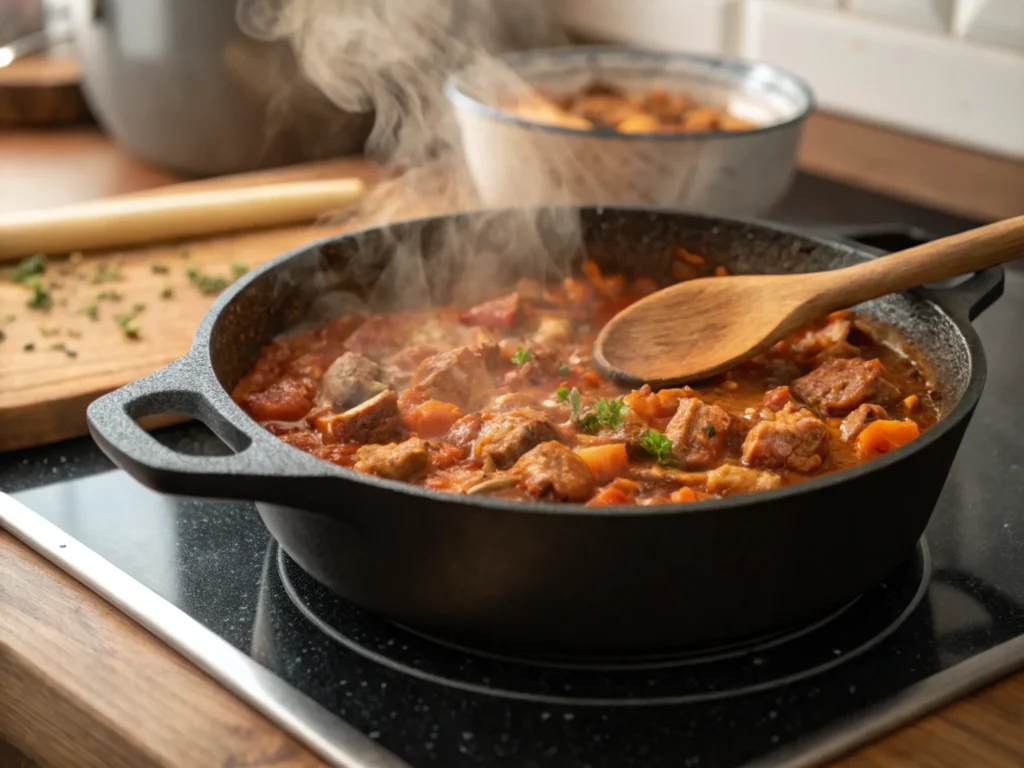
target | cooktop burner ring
x=639, y=662
x=846, y=634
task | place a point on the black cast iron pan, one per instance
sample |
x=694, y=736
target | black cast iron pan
x=552, y=577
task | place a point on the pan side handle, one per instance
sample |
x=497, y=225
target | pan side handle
x=261, y=467
x=968, y=298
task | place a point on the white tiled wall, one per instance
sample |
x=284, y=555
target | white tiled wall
x=952, y=69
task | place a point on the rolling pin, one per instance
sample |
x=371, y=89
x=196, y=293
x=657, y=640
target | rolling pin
x=174, y=216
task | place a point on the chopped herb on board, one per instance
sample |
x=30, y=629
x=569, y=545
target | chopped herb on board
x=2, y=335
x=108, y=295
x=160, y=269
x=41, y=298
x=27, y=267
x=92, y=311
x=238, y=269
x=207, y=283
x=107, y=273
x=128, y=323
x=166, y=292
x=29, y=346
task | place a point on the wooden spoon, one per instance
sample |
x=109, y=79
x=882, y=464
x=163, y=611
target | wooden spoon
x=699, y=328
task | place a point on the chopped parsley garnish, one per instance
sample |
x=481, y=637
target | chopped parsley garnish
x=2, y=335
x=108, y=295
x=29, y=347
x=239, y=268
x=610, y=412
x=160, y=269
x=166, y=292
x=709, y=430
x=27, y=267
x=575, y=402
x=563, y=369
x=522, y=356
x=562, y=394
x=656, y=444
x=92, y=311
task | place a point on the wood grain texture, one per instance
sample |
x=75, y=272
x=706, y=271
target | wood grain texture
x=44, y=392
x=925, y=171
x=81, y=685
x=690, y=331
x=43, y=89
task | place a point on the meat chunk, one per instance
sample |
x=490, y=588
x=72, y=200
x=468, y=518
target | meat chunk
x=458, y=376
x=859, y=418
x=698, y=433
x=507, y=436
x=350, y=380
x=395, y=461
x=497, y=313
x=378, y=420
x=776, y=399
x=729, y=478
x=286, y=400
x=464, y=432
x=542, y=366
x=837, y=387
x=551, y=469
x=793, y=439
x=828, y=342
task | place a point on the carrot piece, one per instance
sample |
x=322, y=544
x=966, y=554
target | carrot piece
x=592, y=379
x=605, y=461
x=644, y=402
x=910, y=402
x=609, y=496
x=593, y=272
x=683, y=495
x=885, y=435
x=432, y=418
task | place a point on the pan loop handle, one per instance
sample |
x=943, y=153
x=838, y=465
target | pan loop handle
x=258, y=469
x=967, y=299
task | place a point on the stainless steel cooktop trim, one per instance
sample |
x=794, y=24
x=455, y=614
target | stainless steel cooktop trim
x=334, y=740
x=343, y=746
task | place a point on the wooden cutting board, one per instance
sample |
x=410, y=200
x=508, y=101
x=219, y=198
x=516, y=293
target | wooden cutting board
x=53, y=363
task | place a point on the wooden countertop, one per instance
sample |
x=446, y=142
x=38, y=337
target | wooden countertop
x=82, y=685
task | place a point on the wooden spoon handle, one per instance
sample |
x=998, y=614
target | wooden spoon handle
x=151, y=219
x=948, y=257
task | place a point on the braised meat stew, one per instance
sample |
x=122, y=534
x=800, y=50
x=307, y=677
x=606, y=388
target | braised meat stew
x=503, y=399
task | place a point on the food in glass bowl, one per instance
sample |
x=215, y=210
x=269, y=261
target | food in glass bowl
x=602, y=105
x=503, y=399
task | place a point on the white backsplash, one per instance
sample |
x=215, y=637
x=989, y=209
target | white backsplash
x=949, y=69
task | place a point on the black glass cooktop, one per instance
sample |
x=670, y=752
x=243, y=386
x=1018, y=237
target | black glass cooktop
x=950, y=618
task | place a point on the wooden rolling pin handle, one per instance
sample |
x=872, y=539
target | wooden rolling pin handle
x=153, y=219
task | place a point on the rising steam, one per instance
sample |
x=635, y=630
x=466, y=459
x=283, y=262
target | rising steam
x=392, y=57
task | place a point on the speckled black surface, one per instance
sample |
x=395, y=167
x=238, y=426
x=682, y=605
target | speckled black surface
x=217, y=562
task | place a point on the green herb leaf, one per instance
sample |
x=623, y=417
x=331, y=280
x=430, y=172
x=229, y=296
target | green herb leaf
x=656, y=444
x=166, y=292
x=610, y=412
x=522, y=356
x=575, y=402
x=563, y=369
x=709, y=430
x=127, y=321
x=160, y=269
x=108, y=295
x=41, y=298
x=92, y=311
x=562, y=394
x=207, y=283
x=239, y=268
x=588, y=423
x=31, y=265
x=107, y=273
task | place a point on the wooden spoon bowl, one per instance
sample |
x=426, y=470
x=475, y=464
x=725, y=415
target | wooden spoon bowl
x=697, y=329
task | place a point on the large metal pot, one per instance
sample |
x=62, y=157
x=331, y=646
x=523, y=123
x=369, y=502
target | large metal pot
x=178, y=83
